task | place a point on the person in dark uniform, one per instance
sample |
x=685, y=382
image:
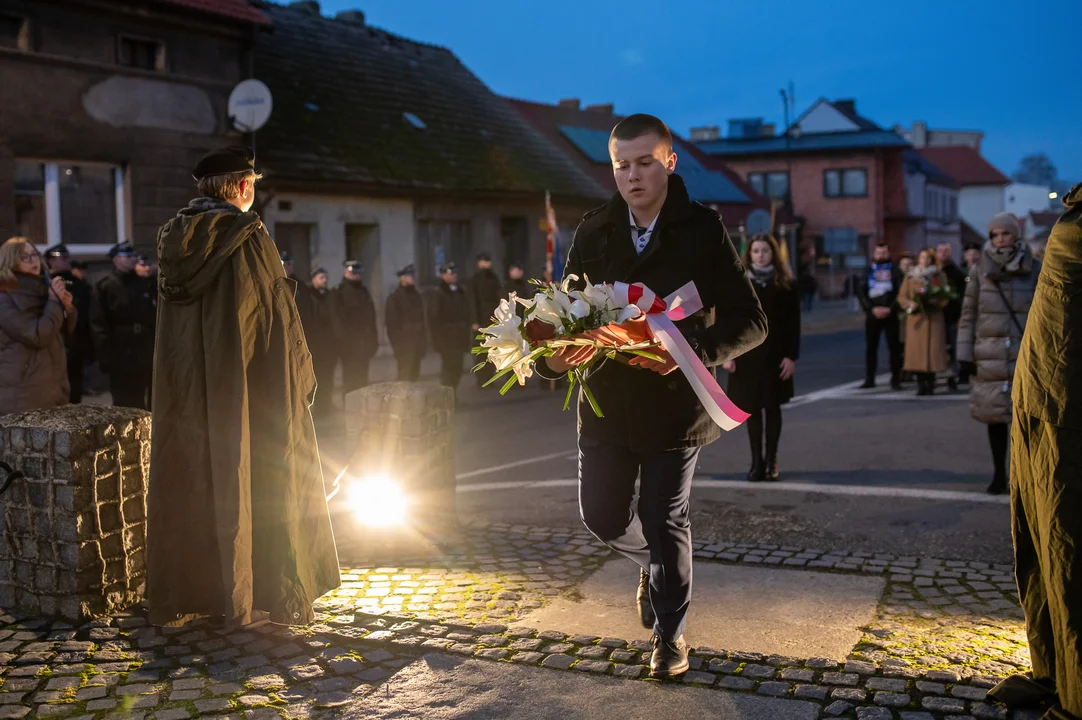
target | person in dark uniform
x=317, y=319
x=122, y=322
x=483, y=293
x=287, y=264
x=878, y=296
x=518, y=284
x=449, y=320
x=405, y=321
x=144, y=269
x=80, y=344
x=355, y=326
x=761, y=380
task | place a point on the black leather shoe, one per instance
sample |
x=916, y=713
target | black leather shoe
x=669, y=659
x=895, y=385
x=642, y=601
x=771, y=471
x=868, y=385
x=952, y=384
x=757, y=472
x=998, y=486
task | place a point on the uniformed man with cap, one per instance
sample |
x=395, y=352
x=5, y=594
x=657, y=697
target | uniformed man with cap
x=483, y=293
x=144, y=269
x=122, y=321
x=518, y=284
x=317, y=318
x=450, y=321
x=355, y=326
x=287, y=264
x=405, y=321
x=79, y=345
x=237, y=521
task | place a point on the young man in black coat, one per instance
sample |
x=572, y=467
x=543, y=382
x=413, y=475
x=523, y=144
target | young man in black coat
x=651, y=232
x=354, y=326
x=944, y=255
x=405, y=322
x=80, y=344
x=878, y=296
x=449, y=321
x=483, y=294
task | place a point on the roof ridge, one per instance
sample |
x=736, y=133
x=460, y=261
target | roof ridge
x=277, y=6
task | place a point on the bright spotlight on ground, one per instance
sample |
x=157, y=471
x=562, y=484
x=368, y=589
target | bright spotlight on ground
x=377, y=501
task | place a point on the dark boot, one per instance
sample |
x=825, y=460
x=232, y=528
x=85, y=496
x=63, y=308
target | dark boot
x=758, y=470
x=868, y=384
x=952, y=384
x=669, y=659
x=921, y=389
x=642, y=601
x=771, y=472
x=895, y=384
x=998, y=486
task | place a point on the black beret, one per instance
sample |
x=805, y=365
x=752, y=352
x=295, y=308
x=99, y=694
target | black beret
x=286, y=256
x=124, y=248
x=353, y=266
x=447, y=267
x=408, y=270
x=318, y=271
x=233, y=159
x=60, y=250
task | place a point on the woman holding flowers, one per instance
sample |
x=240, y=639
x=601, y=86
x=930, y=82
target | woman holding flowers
x=925, y=294
x=761, y=381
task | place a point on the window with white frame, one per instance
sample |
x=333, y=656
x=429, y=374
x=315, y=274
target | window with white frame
x=82, y=205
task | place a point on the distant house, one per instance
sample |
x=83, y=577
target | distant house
x=980, y=194
x=921, y=137
x=931, y=205
x=583, y=134
x=390, y=151
x=845, y=177
x=1025, y=201
x=106, y=107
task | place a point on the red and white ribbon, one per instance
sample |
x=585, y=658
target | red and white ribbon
x=660, y=316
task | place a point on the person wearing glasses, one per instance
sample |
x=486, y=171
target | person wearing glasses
x=35, y=317
x=994, y=313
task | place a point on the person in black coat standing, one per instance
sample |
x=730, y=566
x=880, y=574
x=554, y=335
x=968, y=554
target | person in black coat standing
x=317, y=319
x=449, y=321
x=483, y=293
x=878, y=295
x=405, y=322
x=122, y=322
x=761, y=381
x=79, y=346
x=654, y=424
x=518, y=284
x=355, y=326
x=944, y=255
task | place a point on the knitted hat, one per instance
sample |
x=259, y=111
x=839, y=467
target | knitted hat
x=1005, y=221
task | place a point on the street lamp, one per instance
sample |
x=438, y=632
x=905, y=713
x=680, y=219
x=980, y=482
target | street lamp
x=1053, y=195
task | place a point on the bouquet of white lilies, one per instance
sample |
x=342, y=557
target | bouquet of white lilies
x=554, y=318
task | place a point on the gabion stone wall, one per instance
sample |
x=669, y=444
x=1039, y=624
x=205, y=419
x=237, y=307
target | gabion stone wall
x=73, y=530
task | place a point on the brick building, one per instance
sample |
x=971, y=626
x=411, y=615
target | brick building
x=390, y=151
x=844, y=175
x=105, y=106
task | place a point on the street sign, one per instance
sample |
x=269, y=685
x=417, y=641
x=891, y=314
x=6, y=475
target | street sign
x=249, y=105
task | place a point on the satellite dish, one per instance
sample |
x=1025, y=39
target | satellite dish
x=758, y=222
x=249, y=105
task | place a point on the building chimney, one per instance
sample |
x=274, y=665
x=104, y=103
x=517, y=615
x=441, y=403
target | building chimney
x=603, y=108
x=351, y=17
x=919, y=134
x=309, y=6
x=767, y=130
x=570, y=103
x=745, y=128
x=848, y=106
x=708, y=133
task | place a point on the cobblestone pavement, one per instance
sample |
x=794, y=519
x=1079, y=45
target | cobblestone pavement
x=946, y=632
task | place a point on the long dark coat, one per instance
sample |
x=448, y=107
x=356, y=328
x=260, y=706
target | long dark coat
x=33, y=367
x=122, y=321
x=643, y=409
x=237, y=510
x=355, y=328
x=756, y=384
x=1046, y=447
x=405, y=321
x=449, y=320
x=483, y=293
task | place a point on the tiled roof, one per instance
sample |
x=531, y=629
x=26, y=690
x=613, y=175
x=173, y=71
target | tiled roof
x=1044, y=219
x=358, y=106
x=965, y=165
x=915, y=162
x=583, y=135
x=816, y=142
x=236, y=9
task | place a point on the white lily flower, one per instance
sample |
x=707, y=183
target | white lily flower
x=523, y=370
x=580, y=309
x=628, y=313
x=554, y=310
x=505, y=313
x=505, y=344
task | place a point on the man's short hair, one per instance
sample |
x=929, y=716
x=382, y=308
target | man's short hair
x=225, y=187
x=635, y=126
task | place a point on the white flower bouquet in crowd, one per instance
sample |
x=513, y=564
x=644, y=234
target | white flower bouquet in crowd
x=554, y=318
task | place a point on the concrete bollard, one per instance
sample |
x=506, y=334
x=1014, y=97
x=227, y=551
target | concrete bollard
x=404, y=432
x=73, y=527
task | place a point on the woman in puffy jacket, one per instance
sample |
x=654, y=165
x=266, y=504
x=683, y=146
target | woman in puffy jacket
x=34, y=318
x=998, y=295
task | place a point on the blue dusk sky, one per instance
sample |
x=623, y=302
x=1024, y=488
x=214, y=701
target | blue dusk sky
x=1000, y=66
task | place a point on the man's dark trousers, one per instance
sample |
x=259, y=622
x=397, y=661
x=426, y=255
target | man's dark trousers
x=451, y=367
x=657, y=535
x=873, y=328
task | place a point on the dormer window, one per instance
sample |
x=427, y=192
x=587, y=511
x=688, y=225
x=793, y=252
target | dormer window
x=141, y=53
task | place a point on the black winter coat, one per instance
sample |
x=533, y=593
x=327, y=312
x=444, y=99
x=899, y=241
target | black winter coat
x=888, y=299
x=483, y=293
x=81, y=342
x=957, y=278
x=317, y=319
x=354, y=315
x=756, y=383
x=405, y=321
x=522, y=288
x=643, y=409
x=122, y=320
x=449, y=320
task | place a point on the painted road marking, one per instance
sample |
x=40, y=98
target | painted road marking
x=565, y=454
x=707, y=483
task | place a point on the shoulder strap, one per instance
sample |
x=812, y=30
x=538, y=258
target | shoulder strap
x=1010, y=310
